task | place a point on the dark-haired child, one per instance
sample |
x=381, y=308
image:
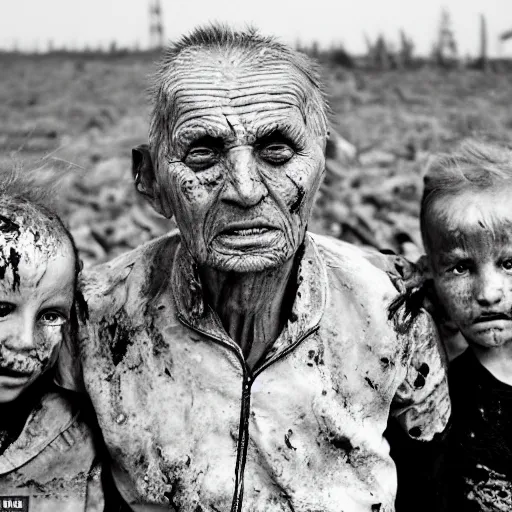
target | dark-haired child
x=466, y=224
x=47, y=448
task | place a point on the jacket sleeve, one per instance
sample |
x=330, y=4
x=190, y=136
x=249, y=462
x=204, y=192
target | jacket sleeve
x=68, y=371
x=95, y=498
x=422, y=402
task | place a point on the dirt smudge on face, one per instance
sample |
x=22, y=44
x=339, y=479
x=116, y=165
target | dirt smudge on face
x=11, y=261
x=8, y=227
x=294, y=208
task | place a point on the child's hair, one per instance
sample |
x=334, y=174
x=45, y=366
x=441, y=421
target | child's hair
x=476, y=166
x=34, y=193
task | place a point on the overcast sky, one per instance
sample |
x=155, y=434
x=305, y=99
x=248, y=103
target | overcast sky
x=32, y=24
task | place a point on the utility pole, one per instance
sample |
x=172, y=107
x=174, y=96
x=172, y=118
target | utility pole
x=156, y=25
x=445, y=50
x=484, y=62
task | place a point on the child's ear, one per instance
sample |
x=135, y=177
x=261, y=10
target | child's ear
x=425, y=267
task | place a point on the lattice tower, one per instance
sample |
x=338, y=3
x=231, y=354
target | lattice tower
x=156, y=24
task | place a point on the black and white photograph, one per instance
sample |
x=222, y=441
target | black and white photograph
x=256, y=257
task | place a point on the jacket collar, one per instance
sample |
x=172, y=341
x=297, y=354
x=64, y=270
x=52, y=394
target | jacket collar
x=52, y=416
x=305, y=316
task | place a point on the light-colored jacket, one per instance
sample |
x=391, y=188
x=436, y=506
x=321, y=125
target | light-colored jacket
x=53, y=461
x=191, y=428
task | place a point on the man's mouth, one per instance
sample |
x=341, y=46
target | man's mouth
x=245, y=231
x=246, y=235
x=246, y=228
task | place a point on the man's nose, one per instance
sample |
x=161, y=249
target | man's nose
x=489, y=288
x=244, y=186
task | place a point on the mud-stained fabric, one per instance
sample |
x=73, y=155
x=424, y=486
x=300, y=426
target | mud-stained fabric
x=477, y=473
x=53, y=460
x=190, y=427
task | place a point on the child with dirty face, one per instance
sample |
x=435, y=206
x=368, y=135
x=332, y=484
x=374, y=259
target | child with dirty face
x=466, y=224
x=47, y=450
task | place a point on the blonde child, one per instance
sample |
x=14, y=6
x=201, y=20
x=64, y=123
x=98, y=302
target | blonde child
x=48, y=456
x=466, y=224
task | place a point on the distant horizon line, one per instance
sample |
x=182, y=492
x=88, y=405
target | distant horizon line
x=137, y=50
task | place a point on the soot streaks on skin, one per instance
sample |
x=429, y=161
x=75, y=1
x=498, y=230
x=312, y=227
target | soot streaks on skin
x=294, y=208
x=12, y=261
x=8, y=227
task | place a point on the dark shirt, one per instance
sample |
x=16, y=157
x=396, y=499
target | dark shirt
x=476, y=472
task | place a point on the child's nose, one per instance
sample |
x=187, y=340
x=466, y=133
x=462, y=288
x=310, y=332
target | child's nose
x=489, y=289
x=23, y=338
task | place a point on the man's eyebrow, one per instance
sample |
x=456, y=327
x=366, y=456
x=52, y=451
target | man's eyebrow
x=280, y=131
x=206, y=140
x=188, y=136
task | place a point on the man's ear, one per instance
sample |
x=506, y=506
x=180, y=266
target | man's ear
x=144, y=178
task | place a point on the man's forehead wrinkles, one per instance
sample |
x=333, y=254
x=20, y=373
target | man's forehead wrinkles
x=293, y=92
x=243, y=93
x=210, y=78
x=218, y=67
x=212, y=120
x=200, y=109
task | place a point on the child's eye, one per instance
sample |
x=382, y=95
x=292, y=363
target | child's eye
x=6, y=308
x=507, y=264
x=52, y=317
x=460, y=269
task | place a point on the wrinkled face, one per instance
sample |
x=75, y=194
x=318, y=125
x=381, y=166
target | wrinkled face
x=471, y=259
x=242, y=165
x=36, y=294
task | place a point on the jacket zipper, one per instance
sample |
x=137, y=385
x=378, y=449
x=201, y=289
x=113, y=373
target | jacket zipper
x=245, y=408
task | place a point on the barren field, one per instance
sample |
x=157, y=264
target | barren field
x=84, y=116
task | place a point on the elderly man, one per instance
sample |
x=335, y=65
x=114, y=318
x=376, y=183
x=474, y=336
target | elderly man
x=243, y=364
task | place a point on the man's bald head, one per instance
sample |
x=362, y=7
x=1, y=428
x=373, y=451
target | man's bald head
x=216, y=53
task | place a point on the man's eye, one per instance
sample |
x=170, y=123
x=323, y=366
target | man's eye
x=52, y=317
x=201, y=158
x=6, y=308
x=276, y=153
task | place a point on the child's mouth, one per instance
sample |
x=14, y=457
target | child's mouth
x=491, y=317
x=9, y=372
